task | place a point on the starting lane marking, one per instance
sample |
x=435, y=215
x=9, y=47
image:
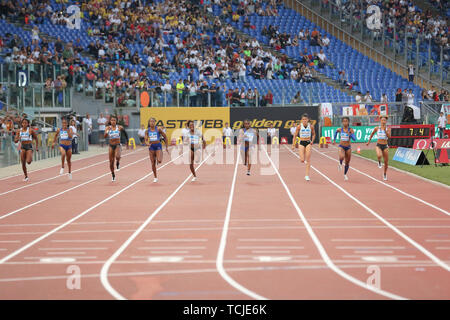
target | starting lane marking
x=57, y=260
x=271, y=259
x=176, y=240
x=362, y=240
x=93, y=240
x=381, y=247
x=270, y=240
x=165, y=259
x=380, y=258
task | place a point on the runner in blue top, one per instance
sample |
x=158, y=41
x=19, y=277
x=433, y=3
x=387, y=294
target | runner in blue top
x=153, y=136
x=306, y=133
x=196, y=141
x=115, y=148
x=65, y=135
x=248, y=137
x=26, y=135
x=382, y=148
x=345, y=148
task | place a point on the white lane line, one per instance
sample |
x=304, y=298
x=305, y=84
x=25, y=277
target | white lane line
x=108, y=263
x=322, y=250
x=271, y=251
x=171, y=248
x=373, y=251
x=67, y=190
x=362, y=240
x=3, y=249
x=55, y=177
x=370, y=247
x=66, y=253
x=58, y=249
x=258, y=255
x=270, y=247
x=437, y=240
x=176, y=240
x=175, y=251
x=442, y=248
x=223, y=242
x=365, y=255
x=58, y=165
x=77, y=257
x=270, y=240
x=387, y=223
x=392, y=187
x=9, y=241
x=231, y=228
x=358, y=264
x=81, y=241
x=46, y=235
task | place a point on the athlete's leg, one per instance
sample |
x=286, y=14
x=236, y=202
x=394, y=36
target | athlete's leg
x=191, y=166
x=379, y=154
x=342, y=155
x=308, y=158
x=386, y=159
x=153, y=161
x=63, y=156
x=29, y=156
x=23, y=159
x=301, y=153
x=111, y=159
x=348, y=156
x=69, y=160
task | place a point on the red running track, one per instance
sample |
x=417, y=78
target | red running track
x=227, y=235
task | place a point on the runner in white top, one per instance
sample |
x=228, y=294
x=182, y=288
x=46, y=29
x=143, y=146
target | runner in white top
x=382, y=148
x=307, y=135
x=26, y=136
x=248, y=137
x=196, y=141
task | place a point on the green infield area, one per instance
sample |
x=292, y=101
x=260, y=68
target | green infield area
x=439, y=173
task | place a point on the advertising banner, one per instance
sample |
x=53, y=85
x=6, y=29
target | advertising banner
x=211, y=120
x=281, y=118
x=362, y=133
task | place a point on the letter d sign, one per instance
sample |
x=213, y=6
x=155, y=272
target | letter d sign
x=22, y=79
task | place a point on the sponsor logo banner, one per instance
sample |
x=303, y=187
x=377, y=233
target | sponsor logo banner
x=362, y=133
x=210, y=120
x=423, y=144
x=282, y=118
x=409, y=156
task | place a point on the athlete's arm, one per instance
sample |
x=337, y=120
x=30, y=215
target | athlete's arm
x=107, y=131
x=294, y=137
x=313, y=135
x=335, y=134
x=35, y=138
x=56, y=137
x=388, y=132
x=17, y=136
x=165, y=138
x=371, y=135
x=146, y=138
x=352, y=135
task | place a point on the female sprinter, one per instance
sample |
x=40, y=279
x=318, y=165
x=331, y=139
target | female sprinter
x=113, y=132
x=250, y=138
x=345, y=148
x=153, y=140
x=382, y=148
x=65, y=135
x=194, y=140
x=307, y=135
x=26, y=136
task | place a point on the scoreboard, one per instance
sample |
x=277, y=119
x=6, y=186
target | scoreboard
x=405, y=134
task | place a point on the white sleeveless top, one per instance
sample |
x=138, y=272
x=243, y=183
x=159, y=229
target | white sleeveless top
x=305, y=133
